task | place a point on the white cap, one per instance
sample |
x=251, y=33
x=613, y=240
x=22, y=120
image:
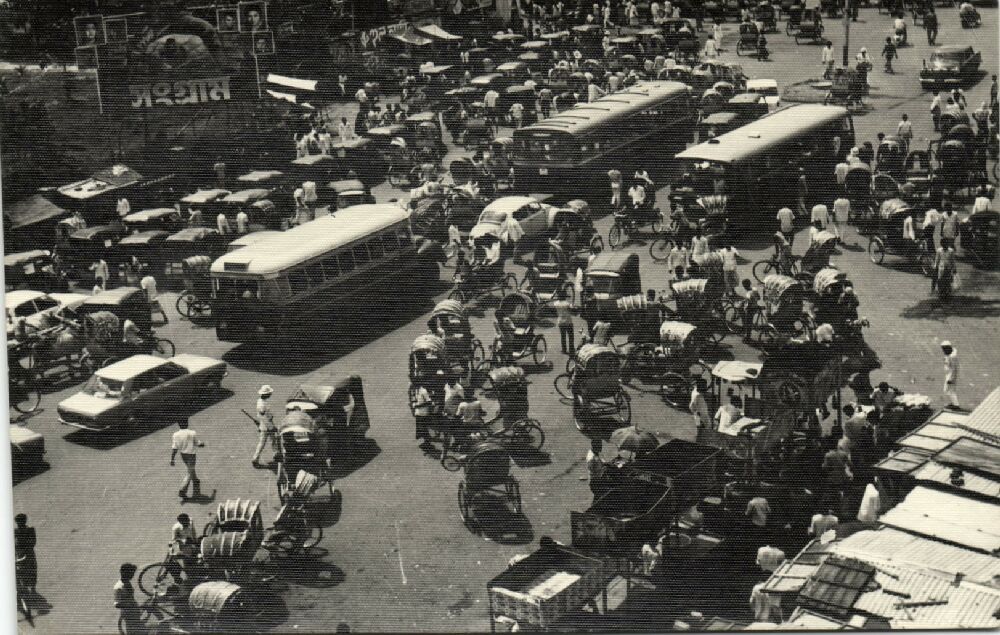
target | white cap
x=265, y=391
x=945, y=343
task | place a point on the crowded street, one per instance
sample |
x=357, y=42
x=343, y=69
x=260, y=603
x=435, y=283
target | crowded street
x=403, y=546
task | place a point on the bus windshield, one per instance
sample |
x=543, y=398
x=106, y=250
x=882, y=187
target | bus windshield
x=247, y=289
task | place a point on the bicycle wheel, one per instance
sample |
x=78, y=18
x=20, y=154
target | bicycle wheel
x=539, y=350
x=733, y=316
x=451, y=462
x=184, y=304
x=155, y=579
x=562, y=384
x=675, y=390
x=164, y=347
x=529, y=434
x=25, y=398
x=761, y=269
x=615, y=235
x=659, y=249
x=624, y=405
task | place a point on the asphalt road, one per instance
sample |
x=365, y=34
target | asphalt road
x=399, y=558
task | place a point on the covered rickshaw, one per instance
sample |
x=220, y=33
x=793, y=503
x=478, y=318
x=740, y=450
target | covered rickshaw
x=195, y=299
x=146, y=247
x=193, y=241
x=767, y=16
x=641, y=318
x=700, y=301
x=82, y=248
x=429, y=366
x=847, y=87
x=516, y=318
x=216, y=606
x=339, y=409
x=487, y=471
x=781, y=316
x=890, y=157
x=450, y=321
x=609, y=276
x=827, y=286
x=104, y=316
x=980, y=236
x=858, y=185
x=891, y=236
x=482, y=278
x=596, y=387
x=818, y=254
x=512, y=427
x=304, y=459
x=749, y=34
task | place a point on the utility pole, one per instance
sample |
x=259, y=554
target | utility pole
x=847, y=30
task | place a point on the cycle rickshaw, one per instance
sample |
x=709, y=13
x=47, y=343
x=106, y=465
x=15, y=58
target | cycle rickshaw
x=827, y=286
x=450, y=322
x=888, y=236
x=858, y=186
x=195, y=300
x=641, y=318
x=429, y=366
x=103, y=318
x=955, y=163
x=810, y=26
x=980, y=235
x=674, y=363
x=890, y=157
x=749, y=34
x=516, y=316
x=701, y=302
x=484, y=278
x=216, y=606
x=517, y=431
x=630, y=220
x=304, y=463
x=817, y=256
x=767, y=15
x=487, y=471
x=918, y=174
x=847, y=87
x=781, y=316
x=595, y=387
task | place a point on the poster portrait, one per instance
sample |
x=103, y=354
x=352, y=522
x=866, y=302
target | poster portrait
x=263, y=43
x=228, y=20
x=253, y=17
x=115, y=30
x=89, y=30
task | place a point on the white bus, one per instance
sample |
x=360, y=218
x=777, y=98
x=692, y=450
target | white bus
x=317, y=270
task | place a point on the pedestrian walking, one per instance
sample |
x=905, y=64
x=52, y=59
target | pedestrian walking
x=937, y=105
x=186, y=443
x=729, y=260
x=564, y=320
x=242, y=222
x=698, y=406
x=124, y=597
x=904, y=130
x=222, y=224
x=820, y=214
x=949, y=225
x=751, y=304
x=889, y=53
x=220, y=173
x=101, y=273
x=943, y=275
x=24, y=553
x=841, y=214
x=615, y=177
x=803, y=191
x=827, y=59
x=950, y=373
x=931, y=26
x=711, y=50
x=265, y=424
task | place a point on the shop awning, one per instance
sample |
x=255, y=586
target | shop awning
x=31, y=210
x=295, y=83
x=411, y=38
x=434, y=31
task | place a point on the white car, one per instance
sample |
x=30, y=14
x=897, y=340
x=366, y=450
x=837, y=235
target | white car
x=769, y=89
x=533, y=216
x=35, y=305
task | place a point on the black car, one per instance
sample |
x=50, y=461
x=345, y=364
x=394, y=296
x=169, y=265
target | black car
x=950, y=65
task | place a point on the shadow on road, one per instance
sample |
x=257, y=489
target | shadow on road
x=23, y=473
x=361, y=454
x=313, y=573
x=933, y=308
x=494, y=518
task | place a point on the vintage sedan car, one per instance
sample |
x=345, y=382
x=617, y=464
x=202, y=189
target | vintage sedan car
x=27, y=449
x=950, y=65
x=35, y=305
x=532, y=215
x=142, y=388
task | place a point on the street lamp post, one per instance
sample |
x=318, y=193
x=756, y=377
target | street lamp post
x=847, y=30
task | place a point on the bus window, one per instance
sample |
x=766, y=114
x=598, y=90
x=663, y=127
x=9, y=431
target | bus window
x=346, y=261
x=390, y=241
x=375, y=248
x=298, y=281
x=315, y=273
x=274, y=290
x=404, y=237
x=360, y=254
x=330, y=268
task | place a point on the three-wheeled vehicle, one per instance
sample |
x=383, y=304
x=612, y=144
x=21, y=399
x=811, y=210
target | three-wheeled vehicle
x=349, y=192
x=483, y=278
x=216, y=606
x=817, y=256
x=782, y=314
x=35, y=270
x=80, y=249
x=193, y=241
x=429, y=366
x=516, y=317
x=767, y=16
x=595, y=386
x=163, y=218
x=749, y=34
x=980, y=236
x=609, y=276
x=847, y=87
x=304, y=457
x=450, y=322
x=147, y=249
x=487, y=471
x=195, y=300
x=809, y=27
x=339, y=409
x=889, y=236
x=827, y=286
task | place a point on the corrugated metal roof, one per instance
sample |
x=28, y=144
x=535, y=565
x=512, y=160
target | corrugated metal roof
x=894, y=547
x=935, y=472
x=949, y=517
x=985, y=418
x=972, y=454
x=806, y=620
x=836, y=585
x=936, y=434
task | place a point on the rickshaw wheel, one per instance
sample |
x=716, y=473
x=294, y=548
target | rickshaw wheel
x=184, y=304
x=674, y=390
x=789, y=393
x=463, y=503
x=539, y=350
x=597, y=242
x=562, y=384
x=154, y=579
x=739, y=48
x=767, y=335
x=659, y=249
x=732, y=316
x=164, y=347
x=529, y=434
x=624, y=406
x=28, y=398
x=762, y=269
x=876, y=250
x=615, y=235
x=457, y=294
x=657, y=225
x=451, y=462
x=314, y=538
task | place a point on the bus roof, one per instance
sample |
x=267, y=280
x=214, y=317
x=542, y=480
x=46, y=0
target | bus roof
x=581, y=118
x=273, y=254
x=767, y=131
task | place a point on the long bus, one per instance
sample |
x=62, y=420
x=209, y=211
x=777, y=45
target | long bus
x=360, y=258
x=754, y=170
x=578, y=146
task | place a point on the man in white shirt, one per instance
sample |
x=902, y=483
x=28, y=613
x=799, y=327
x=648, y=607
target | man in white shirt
x=471, y=411
x=786, y=220
x=148, y=284
x=904, y=130
x=729, y=258
x=490, y=100
x=265, y=424
x=638, y=195
x=840, y=172
x=698, y=406
x=820, y=214
x=728, y=413
x=841, y=212
x=594, y=92
x=937, y=105
x=827, y=59
x=222, y=224
x=242, y=221
x=758, y=509
x=931, y=220
x=950, y=373
x=185, y=441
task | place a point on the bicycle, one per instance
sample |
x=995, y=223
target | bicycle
x=764, y=268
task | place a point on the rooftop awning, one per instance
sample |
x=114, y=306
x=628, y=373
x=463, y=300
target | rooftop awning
x=292, y=82
x=31, y=210
x=435, y=31
x=411, y=38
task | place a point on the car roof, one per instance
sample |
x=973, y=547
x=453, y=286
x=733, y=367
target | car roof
x=15, y=298
x=112, y=296
x=149, y=214
x=509, y=204
x=762, y=83
x=130, y=367
x=953, y=48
